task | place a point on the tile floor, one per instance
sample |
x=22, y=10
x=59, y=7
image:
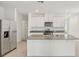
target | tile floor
x=19, y=52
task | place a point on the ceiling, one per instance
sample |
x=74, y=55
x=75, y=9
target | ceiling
x=55, y=7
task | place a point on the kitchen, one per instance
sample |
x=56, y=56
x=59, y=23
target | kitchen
x=48, y=36
x=43, y=28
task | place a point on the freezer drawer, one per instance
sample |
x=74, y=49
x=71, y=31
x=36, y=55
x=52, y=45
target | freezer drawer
x=5, y=46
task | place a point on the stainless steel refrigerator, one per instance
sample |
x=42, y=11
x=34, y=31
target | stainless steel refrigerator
x=7, y=37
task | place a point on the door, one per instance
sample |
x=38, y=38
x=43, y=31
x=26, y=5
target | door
x=5, y=44
x=13, y=34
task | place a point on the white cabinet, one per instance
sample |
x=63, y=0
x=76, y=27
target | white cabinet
x=49, y=18
x=37, y=21
x=38, y=48
x=1, y=12
x=9, y=13
x=58, y=21
x=50, y=48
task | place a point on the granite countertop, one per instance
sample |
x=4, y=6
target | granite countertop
x=41, y=31
x=50, y=37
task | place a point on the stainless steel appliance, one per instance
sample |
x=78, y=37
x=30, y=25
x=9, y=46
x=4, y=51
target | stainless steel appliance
x=48, y=26
x=7, y=37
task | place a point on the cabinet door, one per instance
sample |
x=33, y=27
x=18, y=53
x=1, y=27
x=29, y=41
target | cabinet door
x=50, y=48
x=49, y=18
x=39, y=48
x=58, y=21
x=37, y=22
x=1, y=13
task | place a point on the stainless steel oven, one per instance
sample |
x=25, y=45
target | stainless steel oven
x=48, y=26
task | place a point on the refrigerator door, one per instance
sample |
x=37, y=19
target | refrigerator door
x=13, y=42
x=5, y=46
x=13, y=34
x=5, y=37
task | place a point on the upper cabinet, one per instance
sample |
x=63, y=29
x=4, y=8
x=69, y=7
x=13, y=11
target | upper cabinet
x=49, y=18
x=39, y=19
x=58, y=21
x=9, y=13
x=1, y=12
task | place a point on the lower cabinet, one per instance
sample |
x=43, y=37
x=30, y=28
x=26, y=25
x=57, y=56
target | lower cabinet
x=50, y=48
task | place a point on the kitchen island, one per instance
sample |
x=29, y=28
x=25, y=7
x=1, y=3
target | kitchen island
x=54, y=46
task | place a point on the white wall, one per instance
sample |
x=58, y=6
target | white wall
x=74, y=25
x=21, y=27
x=25, y=27
x=18, y=28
